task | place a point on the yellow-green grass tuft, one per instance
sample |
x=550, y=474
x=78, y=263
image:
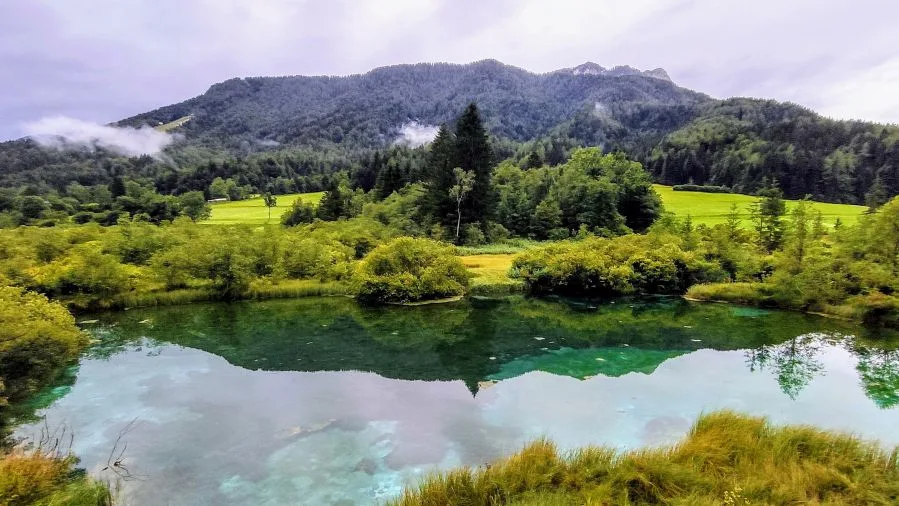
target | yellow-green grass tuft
x=726, y=458
x=32, y=477
x=491, y=274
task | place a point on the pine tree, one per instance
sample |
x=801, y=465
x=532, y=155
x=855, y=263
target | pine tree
x=331, y=206
x=533, y=161
x=877, y=195
x=440, y=177
x=473, y=153
x=767, y=213
x=556, y=154
x=117, y=187
x=366, y=176
x=390, y=179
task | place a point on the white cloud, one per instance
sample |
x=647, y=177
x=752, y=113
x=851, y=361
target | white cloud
x=62, y=132
x=415, y=134
x=867, y=95
x=61, y=59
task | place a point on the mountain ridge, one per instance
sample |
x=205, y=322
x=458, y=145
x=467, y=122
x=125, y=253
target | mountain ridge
x=591, y=68
x=302, y=130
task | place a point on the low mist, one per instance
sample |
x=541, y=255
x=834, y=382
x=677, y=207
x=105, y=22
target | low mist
x=62, y=132
x=415, y=134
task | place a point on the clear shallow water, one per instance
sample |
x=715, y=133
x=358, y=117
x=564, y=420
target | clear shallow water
x=321, y=401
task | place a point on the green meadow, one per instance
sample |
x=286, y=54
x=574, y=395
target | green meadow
x=707, y=208
x=254, y=212
x=713, y=208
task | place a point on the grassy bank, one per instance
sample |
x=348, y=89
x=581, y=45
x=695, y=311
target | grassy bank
x=725, y=459
x=491, y=274
x=253, y=211
x=258, y=290
x=713, y=208
x=872, y=309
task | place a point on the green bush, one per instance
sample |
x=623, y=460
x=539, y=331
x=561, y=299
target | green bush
x=299, y=213
x=632, y=264
x=312, y=258
x=700, y=188
x=37, y=339
x=409, y=269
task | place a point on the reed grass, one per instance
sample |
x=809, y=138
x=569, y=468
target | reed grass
x=295, y=288
x=491, y=274
x=33, y=477
x=726, y=458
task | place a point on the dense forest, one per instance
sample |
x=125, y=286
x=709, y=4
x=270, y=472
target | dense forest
x=739, y=143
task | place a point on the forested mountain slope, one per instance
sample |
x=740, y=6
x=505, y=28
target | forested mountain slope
x=294, y=133
x=367, y=110
x=739, y=142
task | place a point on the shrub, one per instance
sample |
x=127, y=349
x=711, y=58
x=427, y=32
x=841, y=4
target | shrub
x=311, y=258
x=299, y=213
x=37, y=339
x=409, y=269
x=472, y=235
x=700, y=188
x=607, y=267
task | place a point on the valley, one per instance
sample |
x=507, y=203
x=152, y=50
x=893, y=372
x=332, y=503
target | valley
x=451, y=284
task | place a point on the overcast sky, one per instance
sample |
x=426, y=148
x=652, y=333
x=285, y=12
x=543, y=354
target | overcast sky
x=103, y=60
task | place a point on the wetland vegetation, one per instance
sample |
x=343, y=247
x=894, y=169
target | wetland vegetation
x=592, y=229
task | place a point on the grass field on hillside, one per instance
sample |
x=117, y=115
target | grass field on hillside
x=254, y=212
x=171, y=125
x=712, y=208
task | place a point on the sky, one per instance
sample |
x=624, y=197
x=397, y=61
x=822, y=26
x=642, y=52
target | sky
x=104, y=60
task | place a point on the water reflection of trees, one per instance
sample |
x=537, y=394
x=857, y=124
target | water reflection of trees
x=879, y=373
x=794, y=363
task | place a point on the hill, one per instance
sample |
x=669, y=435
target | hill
x=295, y=133
x=369, y=110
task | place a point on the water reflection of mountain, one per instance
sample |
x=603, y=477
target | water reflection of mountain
x=480, y=340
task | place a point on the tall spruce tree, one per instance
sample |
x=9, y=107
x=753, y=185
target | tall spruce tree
x=390, y=179
x=767, y=213
x=331, y=206
x=440, y=177
x=473, y=153
x=534, y=161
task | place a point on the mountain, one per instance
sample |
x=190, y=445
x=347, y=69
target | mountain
x=296, y=132
x=368, y=110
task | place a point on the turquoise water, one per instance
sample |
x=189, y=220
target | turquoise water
x=321, y=401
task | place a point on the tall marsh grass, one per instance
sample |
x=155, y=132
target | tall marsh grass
x=294, y=288
x=726, y=458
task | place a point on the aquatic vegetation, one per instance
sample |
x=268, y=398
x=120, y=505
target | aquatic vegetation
x=726, y=458
x=45, y=478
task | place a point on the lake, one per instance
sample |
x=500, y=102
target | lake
x=323, y=401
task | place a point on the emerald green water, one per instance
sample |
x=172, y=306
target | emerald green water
x=322, y=401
